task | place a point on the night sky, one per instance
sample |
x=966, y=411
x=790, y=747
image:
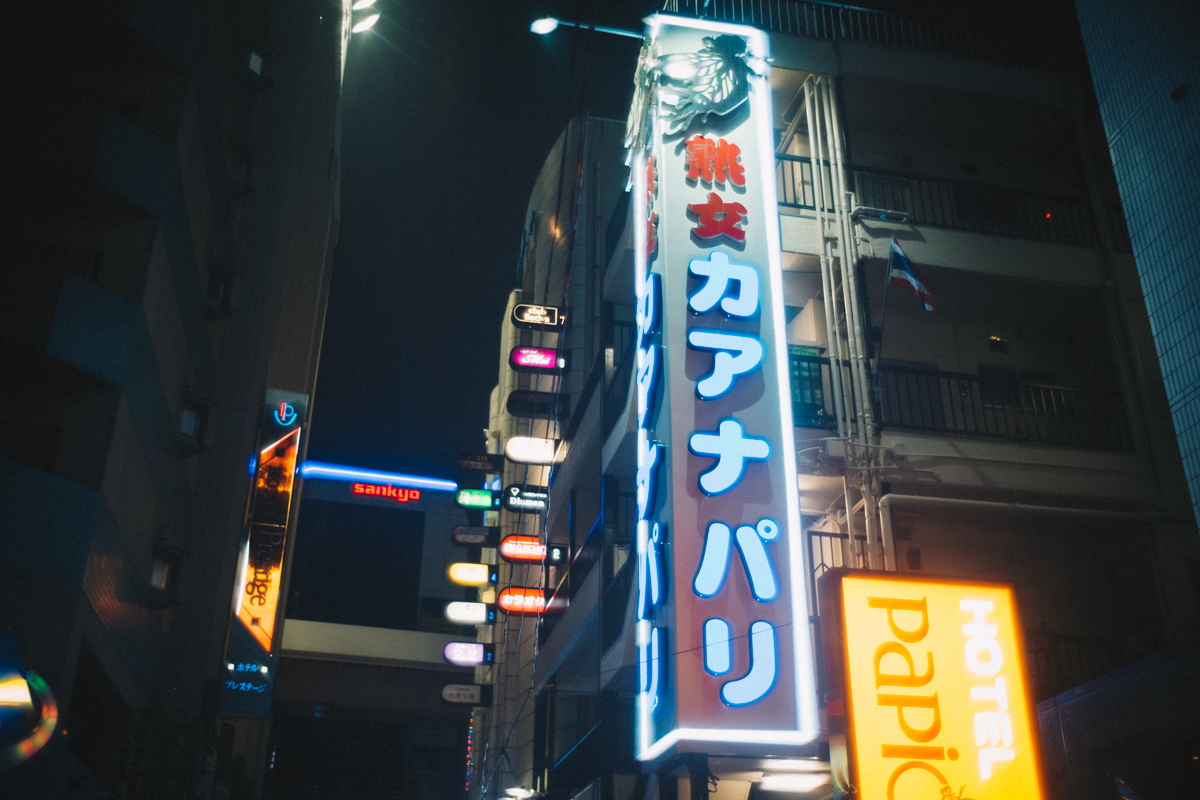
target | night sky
x=449, y=108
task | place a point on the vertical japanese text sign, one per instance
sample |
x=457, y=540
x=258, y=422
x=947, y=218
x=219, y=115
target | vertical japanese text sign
x=246, y=689
x=724, y=645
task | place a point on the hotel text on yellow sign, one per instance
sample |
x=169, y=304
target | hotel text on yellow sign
x=936, y=705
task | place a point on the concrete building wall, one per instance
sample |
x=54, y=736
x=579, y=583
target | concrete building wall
x=1146, y=73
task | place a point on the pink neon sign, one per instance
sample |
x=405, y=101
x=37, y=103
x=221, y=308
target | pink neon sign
x=538, y=359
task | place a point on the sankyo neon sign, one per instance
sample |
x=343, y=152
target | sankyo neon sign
x=721, y=663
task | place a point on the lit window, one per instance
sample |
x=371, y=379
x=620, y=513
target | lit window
x=160, y=574
x=189, y=423
x=194, y=418
x=164, y=569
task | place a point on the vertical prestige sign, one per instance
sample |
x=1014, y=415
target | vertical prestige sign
x=724, y=646
x=927, y=693
x=246, y=691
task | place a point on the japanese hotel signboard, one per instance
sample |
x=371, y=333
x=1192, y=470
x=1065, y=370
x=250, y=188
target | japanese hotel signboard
x=725, y=656
x=926, y=694
x=246, y=688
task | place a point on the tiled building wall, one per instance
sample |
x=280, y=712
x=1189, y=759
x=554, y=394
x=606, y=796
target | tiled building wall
x=1146, y=69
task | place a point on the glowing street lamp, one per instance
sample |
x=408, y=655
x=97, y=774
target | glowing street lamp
x=361, y=4
x=549, y=24
x=366, y=24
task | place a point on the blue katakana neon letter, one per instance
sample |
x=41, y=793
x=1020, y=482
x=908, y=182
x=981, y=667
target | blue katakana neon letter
x=714, y=563
x=651, y=580
x=647, y=464
x=732, y=448
x=736, y=354
x=649, y=305
x=650, y=655
x=647, y=379
x=720, y=273
x=718, y=649
x=761, y=677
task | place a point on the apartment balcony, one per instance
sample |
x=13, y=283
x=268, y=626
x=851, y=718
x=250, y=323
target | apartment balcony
x=956, y=205
x=959, y=405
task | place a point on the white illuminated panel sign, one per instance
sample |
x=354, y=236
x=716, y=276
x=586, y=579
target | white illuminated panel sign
x=468, y=654
x=725, y=661
x=530, y=450
x=470, y=613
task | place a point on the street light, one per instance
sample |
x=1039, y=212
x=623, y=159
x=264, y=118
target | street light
x=549, y=24
x=365, y=24
x=361, y=4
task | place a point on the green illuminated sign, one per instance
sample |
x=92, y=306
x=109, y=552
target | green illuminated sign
x=475, y=498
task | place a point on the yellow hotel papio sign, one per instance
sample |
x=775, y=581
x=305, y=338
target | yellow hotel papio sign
x=927, y=696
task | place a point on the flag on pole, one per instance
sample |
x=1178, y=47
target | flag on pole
x=901, y=272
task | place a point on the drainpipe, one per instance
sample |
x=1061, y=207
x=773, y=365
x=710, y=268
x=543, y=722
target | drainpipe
x=841, y=398
x=853, y=324
x=835, y=374
x=915, y=501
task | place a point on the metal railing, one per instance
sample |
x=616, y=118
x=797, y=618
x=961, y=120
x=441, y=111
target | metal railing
x=812, y=392
x=977, y=207
x=795, y=185
x=966, y=405
x=832, y=21
x=963, y=205
x=1057, y=663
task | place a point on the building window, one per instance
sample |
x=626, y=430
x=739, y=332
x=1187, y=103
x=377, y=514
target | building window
x=219, y=291
x=164, y=571
x=194, y=428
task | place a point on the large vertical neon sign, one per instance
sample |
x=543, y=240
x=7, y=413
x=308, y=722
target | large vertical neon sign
x=725, y=657
x=249, y=674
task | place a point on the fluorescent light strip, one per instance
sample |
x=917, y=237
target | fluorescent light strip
x=805, y=680
x=336, y=472
x=724, y=736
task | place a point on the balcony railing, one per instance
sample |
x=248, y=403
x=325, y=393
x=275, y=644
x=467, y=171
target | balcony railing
x=976, y=207
x=966, y=405
x=832, y=21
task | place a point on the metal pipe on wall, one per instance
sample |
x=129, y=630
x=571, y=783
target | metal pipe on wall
x=841, y=400
x=853, y=322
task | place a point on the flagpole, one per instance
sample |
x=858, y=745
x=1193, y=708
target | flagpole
x=887, y=281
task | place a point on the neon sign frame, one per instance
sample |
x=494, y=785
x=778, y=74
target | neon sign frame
x=731, y=356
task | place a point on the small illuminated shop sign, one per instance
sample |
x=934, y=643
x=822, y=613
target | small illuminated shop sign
x=465, y=574
x=477, y=498
x=531, y=317
x=544, y=405
x=529, y=549
x=536, y=359
x=525, y=499
x=466, y=613
x=399, y=494
x=517, y=601
x=469, y=654
x=530, y=450
x=468, y=535
x=481, y=462
x=927, y=694
x=467, y=693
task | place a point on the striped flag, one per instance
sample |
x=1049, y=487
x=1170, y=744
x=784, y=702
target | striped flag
x=901, y=272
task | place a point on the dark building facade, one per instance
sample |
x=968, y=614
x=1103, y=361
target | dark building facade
x=169, y=210
x=1017, y=433
x=1146, y=72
